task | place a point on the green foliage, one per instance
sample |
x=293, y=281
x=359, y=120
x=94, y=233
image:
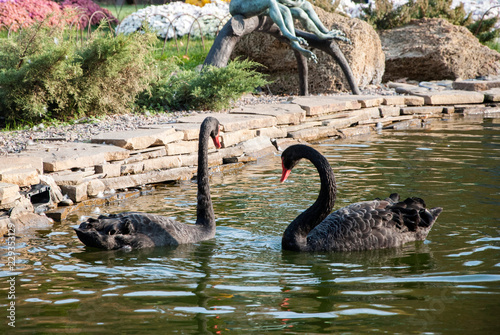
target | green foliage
x=385, y=16
x=212, y=89
x=43, y=75
x=47, y=77
x=484, y=30
x=114, y=71
x=35, y=68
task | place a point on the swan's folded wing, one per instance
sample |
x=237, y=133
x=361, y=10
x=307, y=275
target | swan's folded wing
x=360, y=226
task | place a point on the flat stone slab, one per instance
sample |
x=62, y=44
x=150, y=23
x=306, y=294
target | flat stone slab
x=422, y=110
x=319, y=105
x=366, y=101
x=284, y=113
x=139, y=138
x=412, y=100
x=311, y=134
x=476, y=85
x=393, y=100
x=65, y=156
x=151, y=177
x=234, y=122
x=191, y=131
x=22, y=177
x=8, y=191
x=492, y=95
x=387, y=111
x=355, y=131
x=14, y=162
x=451, y=97
x=234, y=137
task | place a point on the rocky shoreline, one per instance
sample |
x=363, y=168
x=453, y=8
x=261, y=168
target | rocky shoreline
x=84, y=129
x=46, y=173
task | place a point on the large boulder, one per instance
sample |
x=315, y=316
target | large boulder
x=434, y=49
x=364, y=55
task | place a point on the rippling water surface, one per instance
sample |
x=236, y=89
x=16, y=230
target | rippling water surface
x=241, y=281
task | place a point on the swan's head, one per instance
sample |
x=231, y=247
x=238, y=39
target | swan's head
x=290, y=157
x=111, y=233
x=213, y=126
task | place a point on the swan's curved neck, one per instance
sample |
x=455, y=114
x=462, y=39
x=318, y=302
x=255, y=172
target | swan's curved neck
x=295, y=236
x=204, y=209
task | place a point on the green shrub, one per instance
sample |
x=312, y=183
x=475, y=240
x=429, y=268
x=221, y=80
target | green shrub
x=114, y=71
x=36, y=73
x=44, y=75
x=212, y=89
x=485, y=30
x=385, y=16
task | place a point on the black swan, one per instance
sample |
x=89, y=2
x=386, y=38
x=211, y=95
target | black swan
x=360, y=226
x=134, y=230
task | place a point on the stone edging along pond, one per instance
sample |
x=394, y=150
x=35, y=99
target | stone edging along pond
x=56, y=178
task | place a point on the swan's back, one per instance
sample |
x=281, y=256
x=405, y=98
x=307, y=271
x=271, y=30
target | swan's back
x=373, y=224
x=134, y=230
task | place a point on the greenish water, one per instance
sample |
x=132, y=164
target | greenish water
x=241, y=282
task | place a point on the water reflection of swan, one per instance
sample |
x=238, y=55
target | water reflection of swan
x=133, y=230
x=361, y=226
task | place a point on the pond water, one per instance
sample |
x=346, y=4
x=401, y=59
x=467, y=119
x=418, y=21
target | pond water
x=242, y=282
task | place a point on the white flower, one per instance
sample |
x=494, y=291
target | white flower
x=178, y=18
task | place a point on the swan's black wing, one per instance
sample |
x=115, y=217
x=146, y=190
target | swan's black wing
x=373, y=225
x=134, y=230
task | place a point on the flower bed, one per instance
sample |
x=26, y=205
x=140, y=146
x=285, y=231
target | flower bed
x=178, y=18
x=15, y=14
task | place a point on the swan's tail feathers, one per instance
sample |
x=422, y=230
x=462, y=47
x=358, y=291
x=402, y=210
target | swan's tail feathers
x=413, y=214
x=393, y=198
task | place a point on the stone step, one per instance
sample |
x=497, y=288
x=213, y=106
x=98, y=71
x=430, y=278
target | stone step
x=492, y=95
x=288, y=113
x=234, y=122
x=304, y=125
x=66, y=156
x=139, y=138
x=319, y=105
x=422, y=110
x=234, y=137
x=475, y=85
x=355, y=131
x=387, y=111
x=451, y=97
x=393, y=100
x=21, y=176
x=185, y=147
x=272, y=132
x=312, y=134
x=151, y=177
x=8, y=191
x=14, y=162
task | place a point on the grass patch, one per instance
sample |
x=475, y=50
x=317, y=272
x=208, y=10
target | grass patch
x=121, y=12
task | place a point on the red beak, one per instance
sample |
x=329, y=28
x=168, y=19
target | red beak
x=285, y=173
x=217, y=140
